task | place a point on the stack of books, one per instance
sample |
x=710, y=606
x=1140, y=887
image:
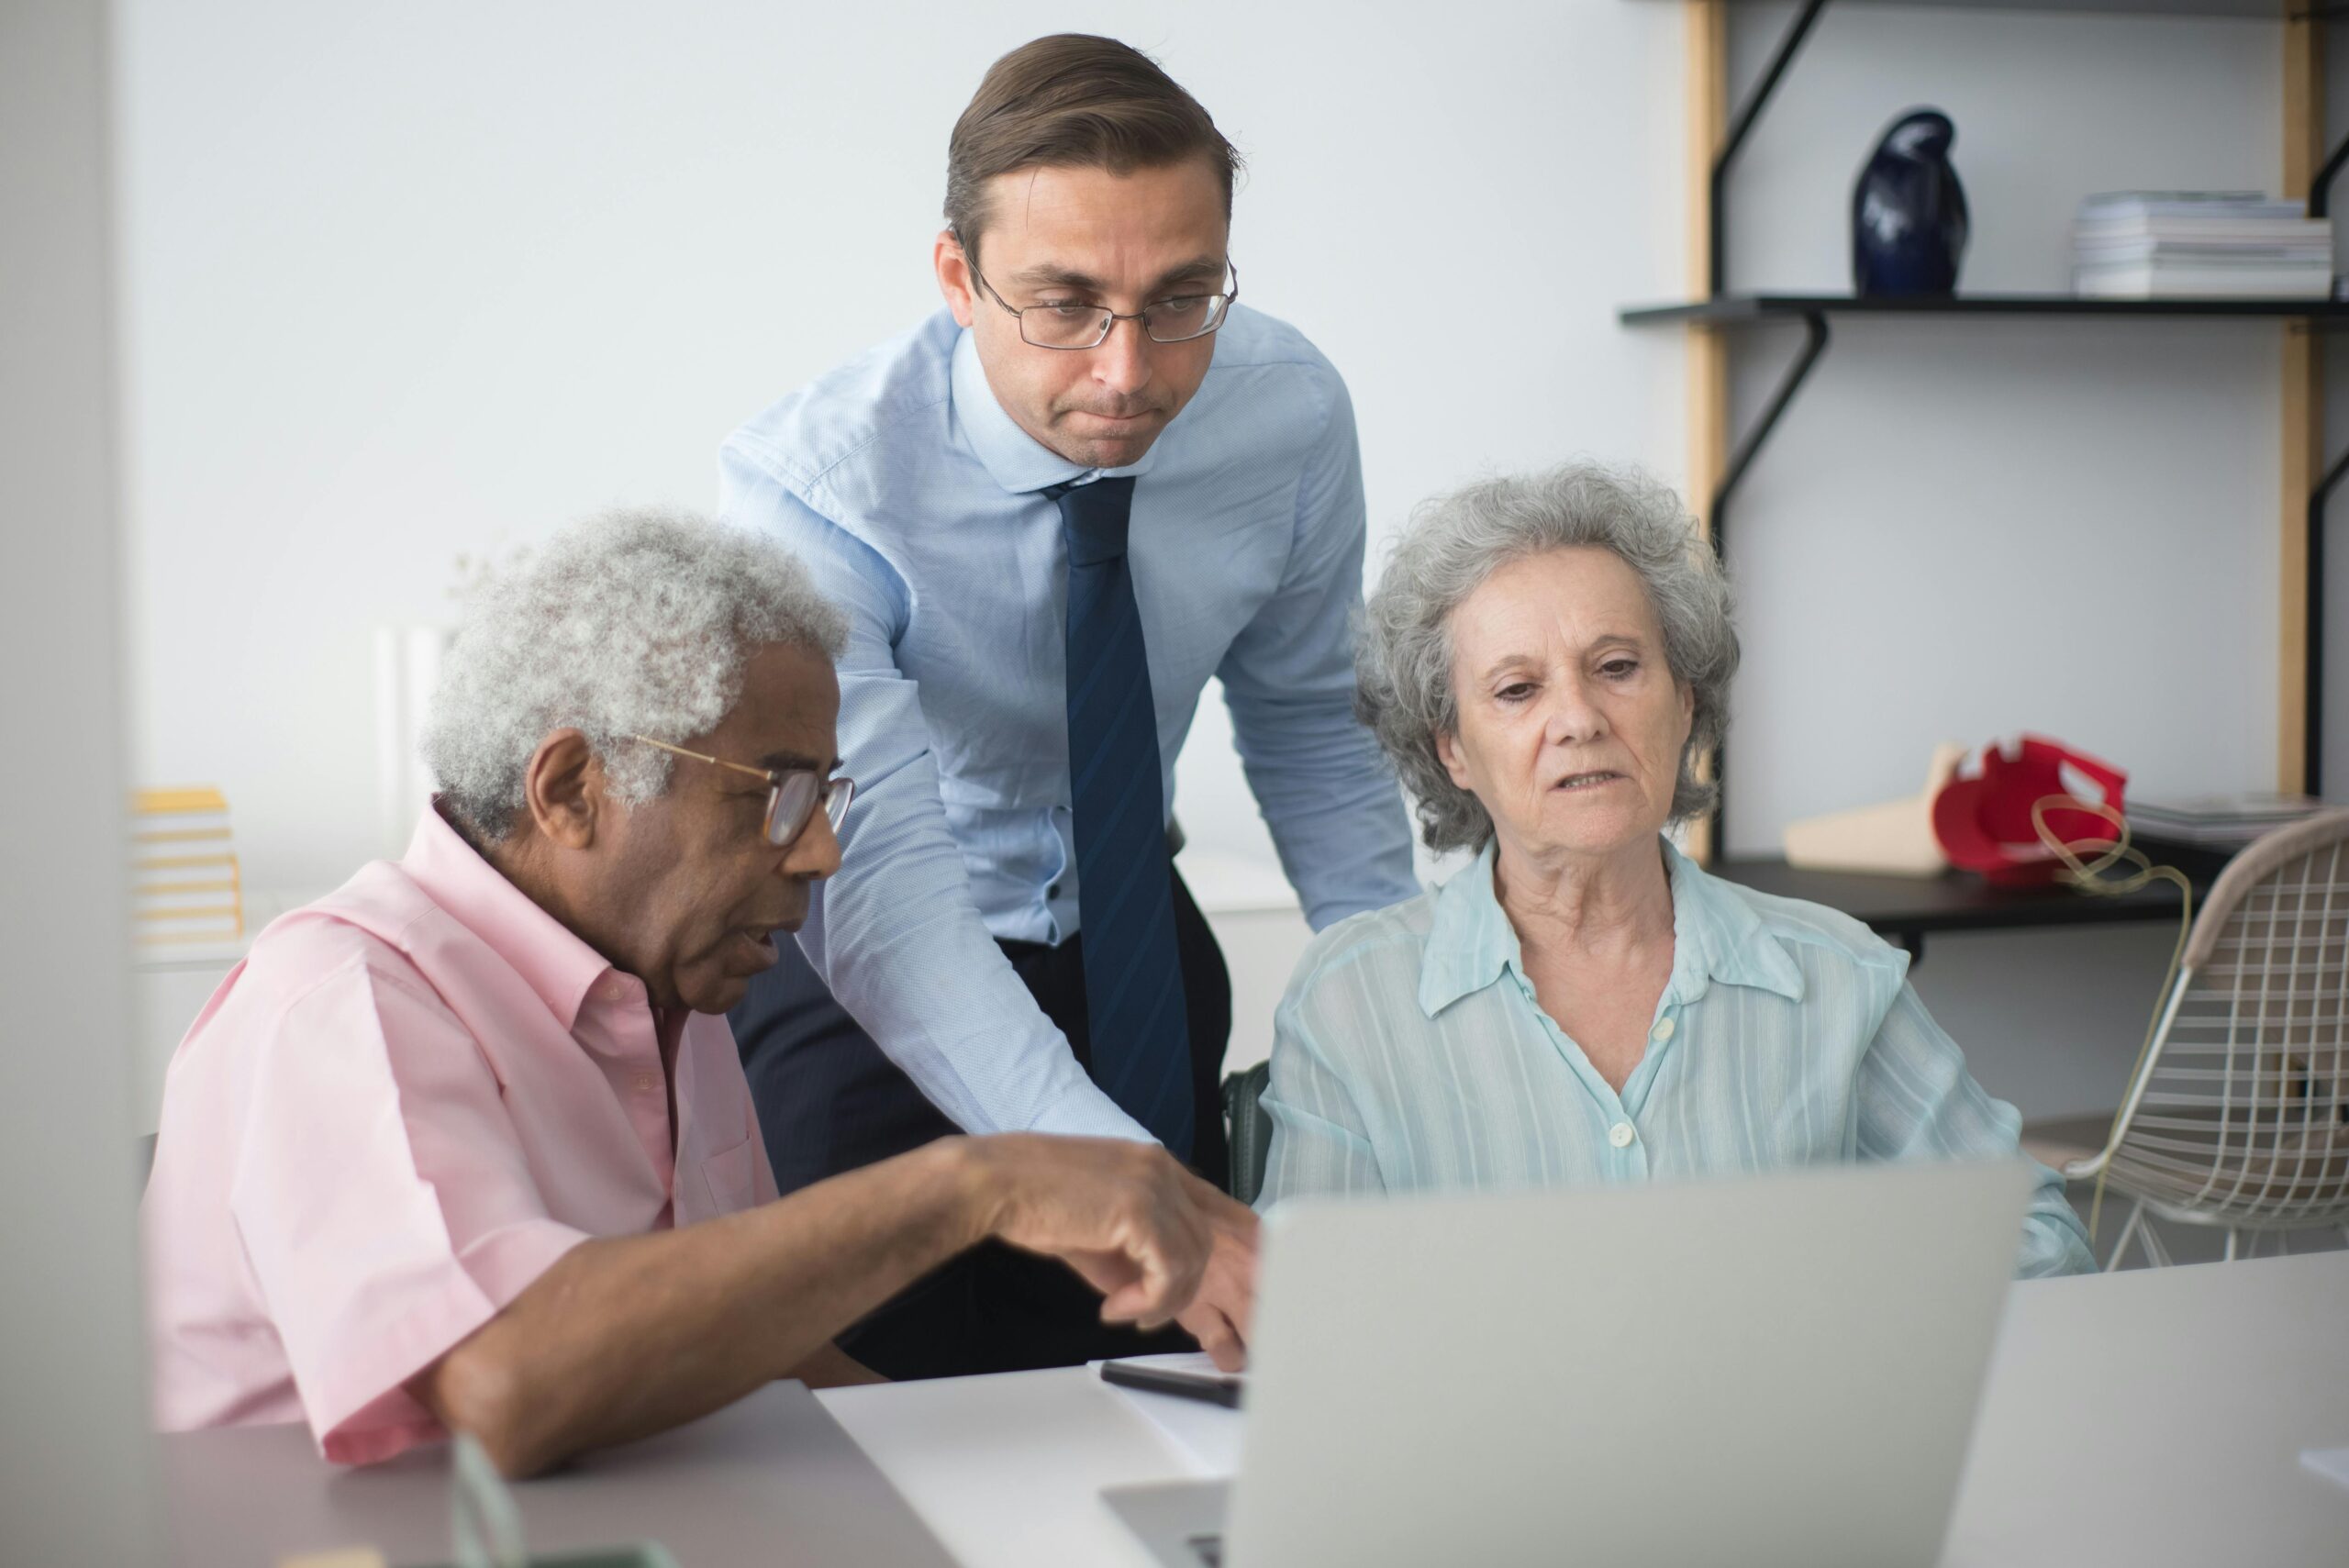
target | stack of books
x=2199, y=245
x=185, y=886
x=2222, y=822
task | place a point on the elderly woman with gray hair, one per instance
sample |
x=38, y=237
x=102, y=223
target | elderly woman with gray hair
x=1544, y=660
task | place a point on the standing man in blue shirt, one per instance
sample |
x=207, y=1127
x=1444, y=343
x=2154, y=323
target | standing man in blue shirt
x=1054, y=511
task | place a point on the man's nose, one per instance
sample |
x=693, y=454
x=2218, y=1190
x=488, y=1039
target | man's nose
x=816, y=854
x=1121, y=363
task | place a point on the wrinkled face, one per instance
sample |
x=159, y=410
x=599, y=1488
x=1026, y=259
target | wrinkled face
x=693, y=895
x=1086, y=236
x=1571, y=725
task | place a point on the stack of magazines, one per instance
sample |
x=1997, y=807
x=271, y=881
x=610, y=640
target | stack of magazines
x=2223, y=822
x=187, y=886
x=2199, y=245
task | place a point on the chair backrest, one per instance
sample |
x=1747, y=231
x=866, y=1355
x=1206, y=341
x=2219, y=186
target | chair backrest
x=2240, y=1115
x=1251, y=1126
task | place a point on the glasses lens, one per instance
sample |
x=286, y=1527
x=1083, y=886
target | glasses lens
x=1065, y=326
x=1180, y=320
x=788, y=806
x=837, y=795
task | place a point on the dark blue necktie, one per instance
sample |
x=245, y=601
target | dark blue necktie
x=1125, y=895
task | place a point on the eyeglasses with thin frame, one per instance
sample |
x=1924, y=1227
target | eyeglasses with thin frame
x=792, y=793
x=1078, y=326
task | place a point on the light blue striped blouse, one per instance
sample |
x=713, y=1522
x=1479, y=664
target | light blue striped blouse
x=1410, y=1053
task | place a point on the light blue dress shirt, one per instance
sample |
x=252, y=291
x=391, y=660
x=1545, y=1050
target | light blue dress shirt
x=914, y=498
x=1411, y=1054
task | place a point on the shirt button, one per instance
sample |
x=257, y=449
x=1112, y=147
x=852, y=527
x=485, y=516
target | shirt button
x=1054, y=891
x=645, y=1084
x=1662, y=1032
x=614, y=990
x=1621, y=1135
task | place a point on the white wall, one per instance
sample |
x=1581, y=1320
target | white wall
x=414, y=284
x=75, y=1478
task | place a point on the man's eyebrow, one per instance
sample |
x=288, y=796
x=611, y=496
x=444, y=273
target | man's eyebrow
x=784, y=761
x=1045, y=275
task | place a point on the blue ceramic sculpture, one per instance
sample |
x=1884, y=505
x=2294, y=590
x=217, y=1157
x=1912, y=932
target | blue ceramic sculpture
x=1909, y=224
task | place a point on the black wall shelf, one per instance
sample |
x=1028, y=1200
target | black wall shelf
x=1905, y=907
x=1736, y=309
x=1910, y=906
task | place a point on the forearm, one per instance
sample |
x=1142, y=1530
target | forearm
x=1331, y=803
x=625, y=1337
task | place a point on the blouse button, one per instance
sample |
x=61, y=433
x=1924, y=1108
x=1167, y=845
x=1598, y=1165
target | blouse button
x=1662, y=1032
x=1621, y=1135
x=645, y=1083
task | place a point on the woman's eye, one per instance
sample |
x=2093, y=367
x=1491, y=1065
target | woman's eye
x=1515, y=692
x=1618, y=668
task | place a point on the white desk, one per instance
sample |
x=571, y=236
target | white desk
x=2150, y=1418
x=770, y=1481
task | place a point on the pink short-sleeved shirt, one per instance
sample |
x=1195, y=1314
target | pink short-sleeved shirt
x=412, y=1098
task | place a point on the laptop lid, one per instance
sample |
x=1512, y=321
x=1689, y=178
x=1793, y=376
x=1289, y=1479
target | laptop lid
x=1781, y=1368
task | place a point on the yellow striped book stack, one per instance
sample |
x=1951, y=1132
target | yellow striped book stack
x=185, y=882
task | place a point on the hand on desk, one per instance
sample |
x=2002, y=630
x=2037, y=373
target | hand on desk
x=1158, y=1243
x=624, y=1336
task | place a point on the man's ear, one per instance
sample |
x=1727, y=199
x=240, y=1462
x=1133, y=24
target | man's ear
x=564, y=790
x=954, y=279
x=1447, y=752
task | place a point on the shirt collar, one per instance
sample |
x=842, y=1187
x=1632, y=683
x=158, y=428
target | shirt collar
x=1013, y=458
x=1716, y=936
x=549, y=956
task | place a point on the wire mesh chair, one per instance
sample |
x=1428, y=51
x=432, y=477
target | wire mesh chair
x=2239, y=1115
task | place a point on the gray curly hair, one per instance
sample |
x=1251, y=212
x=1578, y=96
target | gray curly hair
x=634, y=623
x=1403, y=661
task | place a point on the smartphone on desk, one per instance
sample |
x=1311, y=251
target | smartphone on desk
x=1184, y=1376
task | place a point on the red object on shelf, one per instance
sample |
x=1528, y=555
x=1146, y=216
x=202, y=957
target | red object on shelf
x=1982, y=817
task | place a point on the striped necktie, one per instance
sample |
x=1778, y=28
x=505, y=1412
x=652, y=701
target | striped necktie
x=1125, y=896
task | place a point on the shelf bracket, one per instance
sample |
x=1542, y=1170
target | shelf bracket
x=2312, y=682
x=2320, y=188
x=1815, y=335
x=1717, y=197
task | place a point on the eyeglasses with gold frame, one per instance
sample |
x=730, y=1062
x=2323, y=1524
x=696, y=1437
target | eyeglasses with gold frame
x=793, y=793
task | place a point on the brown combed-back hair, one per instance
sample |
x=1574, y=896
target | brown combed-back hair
x=1074, y=101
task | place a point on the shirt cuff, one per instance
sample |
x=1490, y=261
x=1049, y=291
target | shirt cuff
x=1086, y=1112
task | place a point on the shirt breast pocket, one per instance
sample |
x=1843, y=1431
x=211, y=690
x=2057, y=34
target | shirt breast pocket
x=729, y=1174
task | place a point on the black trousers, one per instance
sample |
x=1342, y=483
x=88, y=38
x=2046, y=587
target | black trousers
x=829, y=1101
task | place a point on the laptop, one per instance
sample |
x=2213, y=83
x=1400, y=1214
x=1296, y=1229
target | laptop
x=1776, y=1370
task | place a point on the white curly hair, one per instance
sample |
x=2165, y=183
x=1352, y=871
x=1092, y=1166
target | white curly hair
x=636, y=622
x=1403, y=656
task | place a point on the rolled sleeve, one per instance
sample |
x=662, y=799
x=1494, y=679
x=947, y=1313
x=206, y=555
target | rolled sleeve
x=897, y=935
x=1320, y=1140
x=1916, y=1100
x=383, y=1200
x=1332, y=803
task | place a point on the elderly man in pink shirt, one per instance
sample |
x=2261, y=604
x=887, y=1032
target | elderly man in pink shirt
x=466, y=1144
